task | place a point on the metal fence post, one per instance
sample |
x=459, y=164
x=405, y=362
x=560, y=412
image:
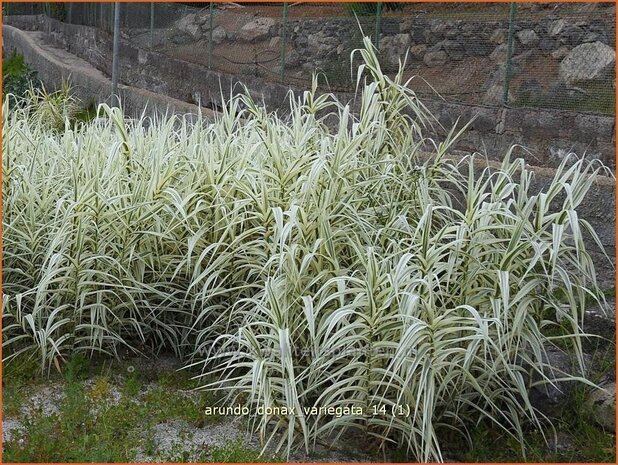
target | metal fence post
x=509, y=54
x=284, y=27
x=378, y=24
x=211, y=24
x=116, y=47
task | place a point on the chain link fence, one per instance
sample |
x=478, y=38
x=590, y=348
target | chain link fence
x=547, y=55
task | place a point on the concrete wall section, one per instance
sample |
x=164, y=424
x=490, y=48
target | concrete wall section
x=89, y=84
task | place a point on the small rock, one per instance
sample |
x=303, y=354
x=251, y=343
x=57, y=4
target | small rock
x=560, y=53
x=594, y=37
x=547, y=44
x=258, y=29
x=203, y=19
x=556, y=27
x=602, y=404
x=528, y=38
x=498, y=37
x=453, y=49
x=601, y=319
x=189, y=26
x=439, y=28
x=435, y=58
x=180, y=38
x=522, y=58
x=572, y=35
x=499, y=53
x=218, y=35
x=418, y=51
x=406, y=25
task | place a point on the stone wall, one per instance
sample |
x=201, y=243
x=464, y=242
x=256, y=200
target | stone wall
x=547, y=135
x=438, y=40
x=554, y=39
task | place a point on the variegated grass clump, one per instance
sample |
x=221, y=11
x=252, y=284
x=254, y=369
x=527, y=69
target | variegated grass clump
x=307, y=266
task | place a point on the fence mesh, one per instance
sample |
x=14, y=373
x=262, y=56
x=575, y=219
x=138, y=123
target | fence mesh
x=547, y=55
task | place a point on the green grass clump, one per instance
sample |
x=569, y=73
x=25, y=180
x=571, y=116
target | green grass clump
x=304, y=266
x=236, y=452
x=17, y=77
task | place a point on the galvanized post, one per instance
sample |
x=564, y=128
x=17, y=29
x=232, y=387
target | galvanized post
x=509, y=54
x=116, y=47
x=284, y=27
x=378, y=23
x=210, y=26
x=69, y=12
x=152, y=14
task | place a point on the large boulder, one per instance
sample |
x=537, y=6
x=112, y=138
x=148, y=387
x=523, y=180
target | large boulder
x=256, y=30
x=588, y=62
